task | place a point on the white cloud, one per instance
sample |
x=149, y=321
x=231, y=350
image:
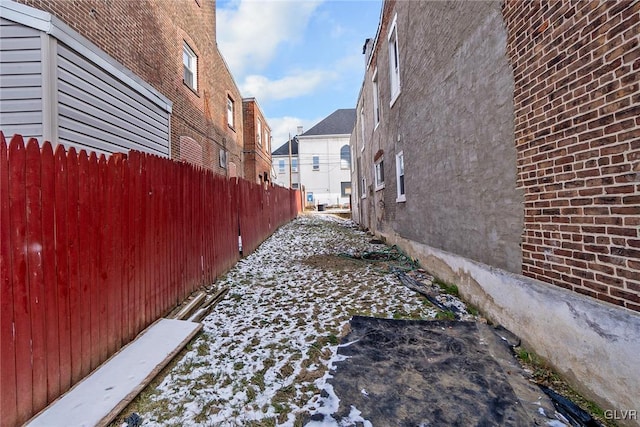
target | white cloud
x=298, y=84
x=250, y=33
x=281, y=127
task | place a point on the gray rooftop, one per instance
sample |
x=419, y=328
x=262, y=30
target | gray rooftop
x=340, y=122
x=283, y=150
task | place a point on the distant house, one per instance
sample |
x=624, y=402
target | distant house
x=498, y=144
x=169, y=45
x=287, y=176
x=325, y=159
x=257, y=143
x=58, y=86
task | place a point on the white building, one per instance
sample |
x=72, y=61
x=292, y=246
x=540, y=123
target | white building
x=325, y=159
x=280, y=165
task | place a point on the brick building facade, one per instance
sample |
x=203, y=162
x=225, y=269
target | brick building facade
x=257, y=143
x=150, y=39
x=577, y=133
x=506, y=158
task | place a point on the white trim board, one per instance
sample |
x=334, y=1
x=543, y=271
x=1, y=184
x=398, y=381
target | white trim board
x=98, y=398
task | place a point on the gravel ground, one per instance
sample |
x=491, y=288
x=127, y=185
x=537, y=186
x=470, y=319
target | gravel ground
x=267, y=350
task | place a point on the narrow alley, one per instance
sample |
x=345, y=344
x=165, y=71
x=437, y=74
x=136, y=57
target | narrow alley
x=268, y=351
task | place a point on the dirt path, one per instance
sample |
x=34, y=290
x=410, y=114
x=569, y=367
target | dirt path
x=265, y=353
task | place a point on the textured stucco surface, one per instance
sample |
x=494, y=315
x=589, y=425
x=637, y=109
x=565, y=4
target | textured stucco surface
x=454, y=122
x=456, y=108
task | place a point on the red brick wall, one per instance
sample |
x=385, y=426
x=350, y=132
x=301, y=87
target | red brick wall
x=190, y=151
x=257, y=157
x=577, y=124
x=147, y=38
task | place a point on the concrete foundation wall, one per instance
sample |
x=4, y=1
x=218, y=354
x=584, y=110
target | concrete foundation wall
x=593, y=345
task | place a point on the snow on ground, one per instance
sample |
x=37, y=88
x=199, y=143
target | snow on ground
x=266, y=350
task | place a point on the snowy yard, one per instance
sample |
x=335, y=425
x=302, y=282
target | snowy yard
x=265, y=351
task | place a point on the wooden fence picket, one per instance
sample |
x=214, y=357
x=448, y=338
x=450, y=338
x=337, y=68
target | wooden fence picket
x=95, y=249
x=8, y=391
x=50, y=302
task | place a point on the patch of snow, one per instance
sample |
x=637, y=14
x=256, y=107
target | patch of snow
x=556, y=423
x=268, y=348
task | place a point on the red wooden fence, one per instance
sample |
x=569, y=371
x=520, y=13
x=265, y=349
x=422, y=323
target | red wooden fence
x=95, y=249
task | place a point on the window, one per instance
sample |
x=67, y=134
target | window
x=294, y=165
x=295, y=185
x=394, y=61
x=364, y=188
x=345, y=189
x=280, y=166
x=190, y=63
x=316, y=163
x=376, y=108
x=345, y=157
x=400, y=177
x=259, y=133
x=379, y=166
x=362, y=125
x=230, y=111
x=267, y=140
x=223, y=158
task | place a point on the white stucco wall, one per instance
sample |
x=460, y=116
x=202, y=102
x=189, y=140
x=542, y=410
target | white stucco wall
x=325, y=183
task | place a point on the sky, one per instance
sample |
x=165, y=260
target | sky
x=300, y=59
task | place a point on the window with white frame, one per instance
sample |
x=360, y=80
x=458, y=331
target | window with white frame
x=363, y=187
x=230, y=111
x=316, y=163
x=379, y=171
x=294, y=165
x=345, y=157
x=259, y=133
x=281, y=166
x=362, y=125
x=376, y=107
x=394, y=61
x=400, y=177
x=190, y=65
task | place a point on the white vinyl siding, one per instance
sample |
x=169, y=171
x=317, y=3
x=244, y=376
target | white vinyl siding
x=56, y=85
x=100, y=112
x=20, y=81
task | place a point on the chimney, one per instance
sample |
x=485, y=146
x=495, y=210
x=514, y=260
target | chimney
x=300, y=128
x=367, y=50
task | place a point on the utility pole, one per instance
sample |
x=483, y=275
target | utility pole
x=290, y=168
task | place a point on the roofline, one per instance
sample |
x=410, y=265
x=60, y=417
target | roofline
x=331, y=135
x=226, y=66
x=55, y=27
x=375, y=40
x=255, y=101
